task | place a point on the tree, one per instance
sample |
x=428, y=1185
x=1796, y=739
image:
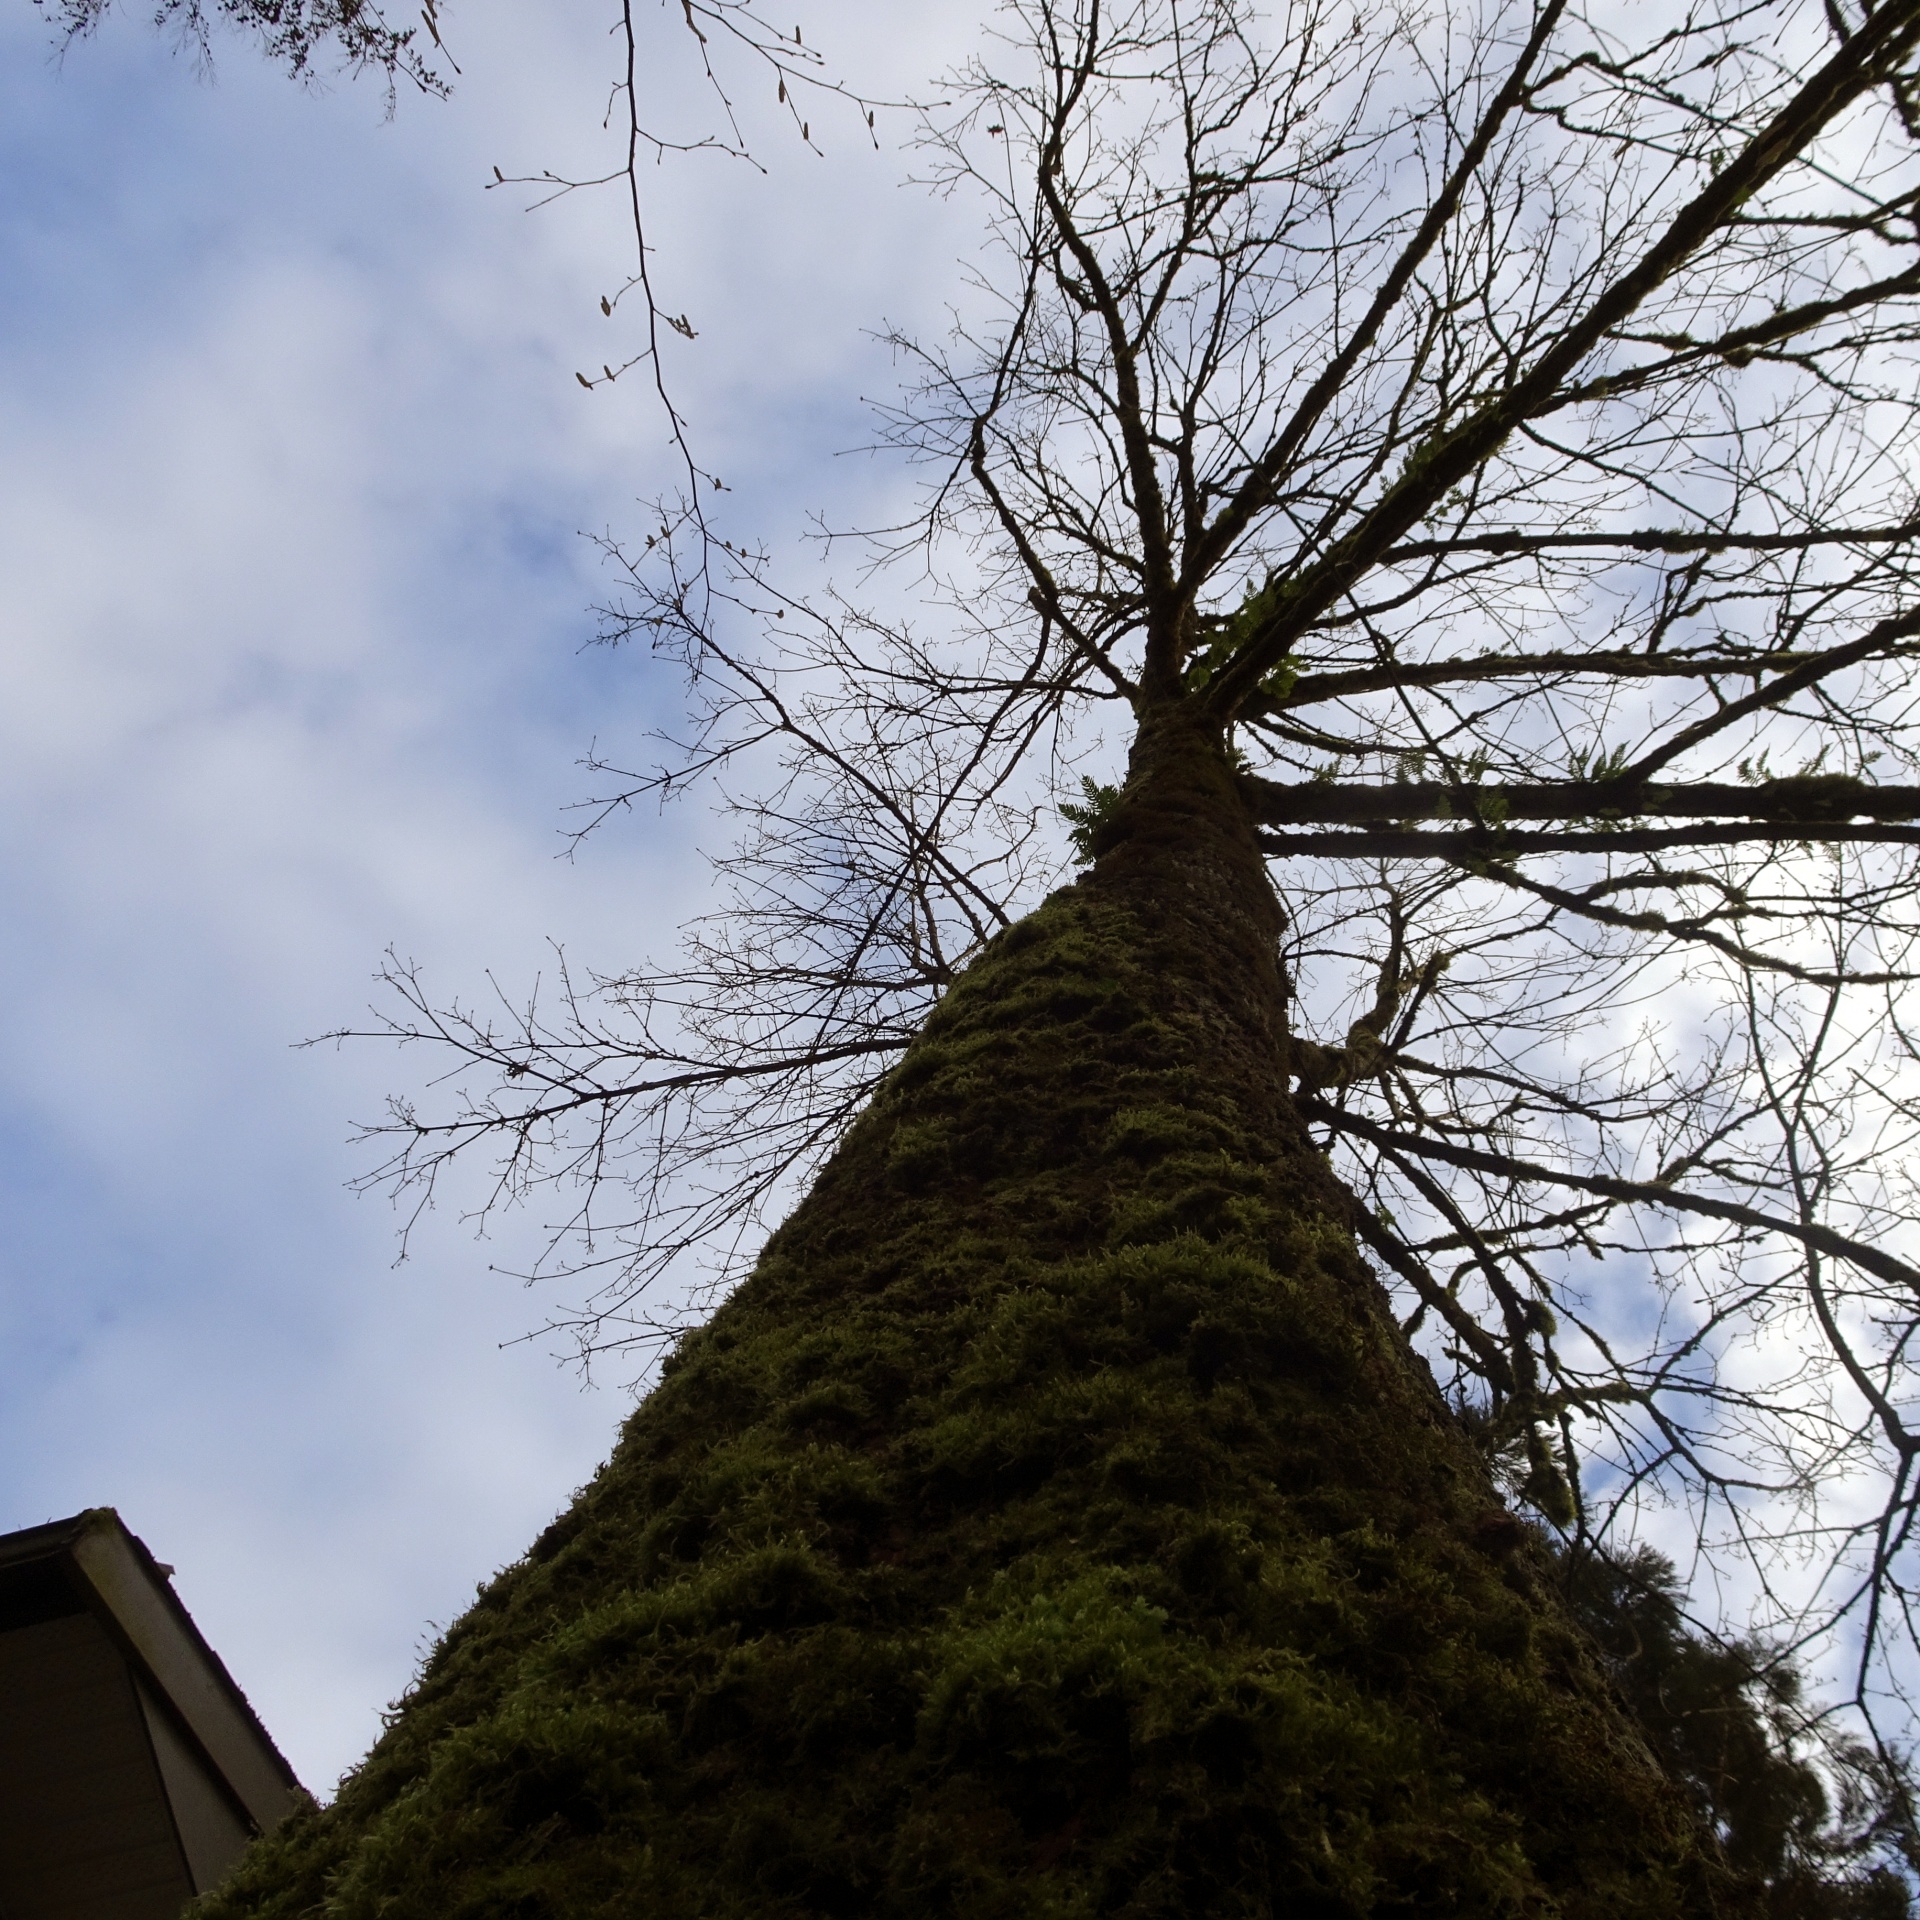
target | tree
x=298, y=34
x=1464, y=461
x=1815, y=1816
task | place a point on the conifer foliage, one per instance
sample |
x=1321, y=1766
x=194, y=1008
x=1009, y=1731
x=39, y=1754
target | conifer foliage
x=1819, y=1820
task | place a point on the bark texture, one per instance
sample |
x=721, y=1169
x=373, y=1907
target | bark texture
x=1054, y=1524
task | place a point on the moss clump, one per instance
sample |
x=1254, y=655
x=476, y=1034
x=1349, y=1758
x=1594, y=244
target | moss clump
x=1053, y=1525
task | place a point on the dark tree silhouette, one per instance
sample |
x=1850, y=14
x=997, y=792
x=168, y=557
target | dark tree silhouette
x=1420, y=504
x=1815, y=1816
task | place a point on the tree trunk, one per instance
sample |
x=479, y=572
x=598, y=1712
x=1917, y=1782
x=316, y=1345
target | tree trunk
x=1055, y=1523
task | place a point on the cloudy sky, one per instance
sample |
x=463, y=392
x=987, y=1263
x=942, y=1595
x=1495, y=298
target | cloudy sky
x=292, y=668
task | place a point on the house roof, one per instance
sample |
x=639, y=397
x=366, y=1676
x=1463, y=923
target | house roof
x=92, y=1564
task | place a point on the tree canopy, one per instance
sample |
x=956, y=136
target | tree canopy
x=1463, y=457
x=1498, y=427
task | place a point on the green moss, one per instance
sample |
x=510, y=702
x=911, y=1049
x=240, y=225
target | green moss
x=1052, y=1525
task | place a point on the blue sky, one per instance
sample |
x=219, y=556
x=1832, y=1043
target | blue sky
x=292, y=612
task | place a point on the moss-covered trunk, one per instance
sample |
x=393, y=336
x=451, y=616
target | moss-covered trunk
x=1053, y=1524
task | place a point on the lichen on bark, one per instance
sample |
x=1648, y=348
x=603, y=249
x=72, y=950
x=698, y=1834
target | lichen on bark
x=1053, y=1524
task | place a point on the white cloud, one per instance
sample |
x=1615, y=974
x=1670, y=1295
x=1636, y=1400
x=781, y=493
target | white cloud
x=291, y=667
